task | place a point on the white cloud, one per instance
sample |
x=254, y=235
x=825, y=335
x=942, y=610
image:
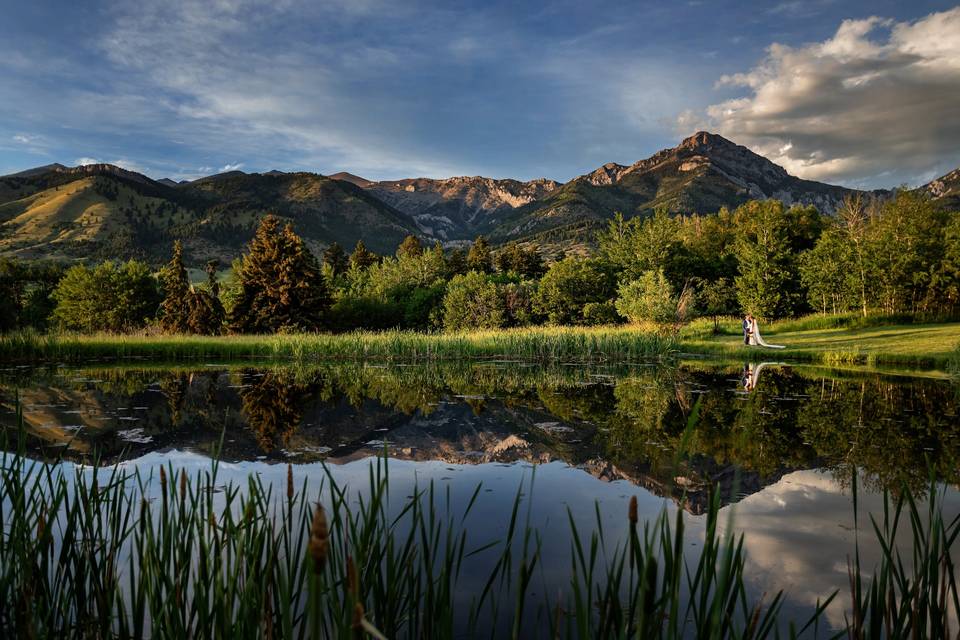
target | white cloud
x=874, y=105
x=24, y=138
x=231, y=167
x=80, y=162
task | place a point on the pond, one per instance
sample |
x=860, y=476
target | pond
x=782, y=444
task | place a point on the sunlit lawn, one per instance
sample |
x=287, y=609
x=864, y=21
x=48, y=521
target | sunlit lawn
x=931, y=344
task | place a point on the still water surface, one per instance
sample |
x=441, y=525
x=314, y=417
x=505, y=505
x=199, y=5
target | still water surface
x=782, y=443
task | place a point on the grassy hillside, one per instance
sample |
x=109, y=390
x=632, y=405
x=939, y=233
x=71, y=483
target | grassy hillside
x=100, y=211
x=91, y=216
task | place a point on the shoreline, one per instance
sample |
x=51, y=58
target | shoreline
x=927, y=348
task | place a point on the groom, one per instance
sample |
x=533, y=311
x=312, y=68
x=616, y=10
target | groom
x=747, y=328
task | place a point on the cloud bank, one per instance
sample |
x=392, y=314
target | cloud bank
x=877, y=104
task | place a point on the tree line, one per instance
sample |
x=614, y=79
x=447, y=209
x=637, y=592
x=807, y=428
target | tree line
x=896, y=256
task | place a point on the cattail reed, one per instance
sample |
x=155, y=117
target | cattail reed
x=289, y=482
x=319, y=544
x=183, y=485
x=632, y=511
x=353, y=580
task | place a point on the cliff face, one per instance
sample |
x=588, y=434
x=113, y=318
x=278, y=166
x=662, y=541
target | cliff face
x=462, y=207
x=945, y=190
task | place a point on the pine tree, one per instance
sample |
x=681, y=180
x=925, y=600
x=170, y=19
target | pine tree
x=410, y=247
x=479, y=257
x=175, y=308
x=456, y=263
x=281, y=285
x=361, y=258
x=206, y=314
x=336, y=258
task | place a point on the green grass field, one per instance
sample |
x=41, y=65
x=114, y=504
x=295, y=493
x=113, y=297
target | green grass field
x=917, y=345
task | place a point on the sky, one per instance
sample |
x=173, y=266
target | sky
x=864, y=94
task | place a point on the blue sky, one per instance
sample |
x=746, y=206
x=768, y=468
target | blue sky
x=860, y=93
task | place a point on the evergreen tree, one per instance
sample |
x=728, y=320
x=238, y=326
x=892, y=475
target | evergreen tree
x=456, y=263
x=479, y=257
x=336, y=258
x=361, y=258
x=281, y=285
x=175, y=308
x=523, y=261
x=410, y=247
x=206, y=313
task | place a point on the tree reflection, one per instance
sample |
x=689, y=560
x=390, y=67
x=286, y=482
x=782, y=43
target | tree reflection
x=631, y=419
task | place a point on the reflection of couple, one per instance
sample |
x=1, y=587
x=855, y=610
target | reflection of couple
x=748, y=380
x=751, y=374
x=751, y=334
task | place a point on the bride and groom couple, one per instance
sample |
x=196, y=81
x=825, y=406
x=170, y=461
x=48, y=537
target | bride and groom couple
x=751, y=334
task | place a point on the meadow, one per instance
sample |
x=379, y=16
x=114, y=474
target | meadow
x=835, y=340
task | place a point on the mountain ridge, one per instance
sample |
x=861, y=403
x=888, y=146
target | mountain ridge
x=115, y=212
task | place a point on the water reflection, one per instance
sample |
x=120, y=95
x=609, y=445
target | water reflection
x=616, y=423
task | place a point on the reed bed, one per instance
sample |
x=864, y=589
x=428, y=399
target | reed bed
x=88, y=555
x=541, y=344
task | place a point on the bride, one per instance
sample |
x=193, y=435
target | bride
x=757, y=340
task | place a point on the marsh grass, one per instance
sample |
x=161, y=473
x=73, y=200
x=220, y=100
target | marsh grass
x=540, y=344
x=115, y=554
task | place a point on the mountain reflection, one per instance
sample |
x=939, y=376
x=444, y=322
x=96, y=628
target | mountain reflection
x=616, y=422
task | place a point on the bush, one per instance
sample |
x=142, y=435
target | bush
x=108, y=297
x=596, y=313
x=571, y=284
x=648, y=298
x=472, y=302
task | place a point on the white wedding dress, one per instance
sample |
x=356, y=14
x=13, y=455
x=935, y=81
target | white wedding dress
x=757, y=340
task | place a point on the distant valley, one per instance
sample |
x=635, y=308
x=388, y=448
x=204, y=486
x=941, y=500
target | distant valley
x=104, y=211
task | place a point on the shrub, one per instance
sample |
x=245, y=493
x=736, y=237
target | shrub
x=472, y=302
x=108, y=297
x=648, y=298
x=571, y=284
x=596, y=313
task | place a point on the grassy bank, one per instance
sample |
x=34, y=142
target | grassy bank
x=816, y=341
x=543, y=344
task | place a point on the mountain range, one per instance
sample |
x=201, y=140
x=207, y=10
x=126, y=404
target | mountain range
x=101, y=210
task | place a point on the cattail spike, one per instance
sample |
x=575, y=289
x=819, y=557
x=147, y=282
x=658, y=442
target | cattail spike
x=632, y=512
x=353, y=580
x=319, y=543
x=163, y=480
x=183, y=485
x=289, y=482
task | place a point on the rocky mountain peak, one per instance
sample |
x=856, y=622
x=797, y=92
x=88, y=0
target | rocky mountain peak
x=704, y=140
